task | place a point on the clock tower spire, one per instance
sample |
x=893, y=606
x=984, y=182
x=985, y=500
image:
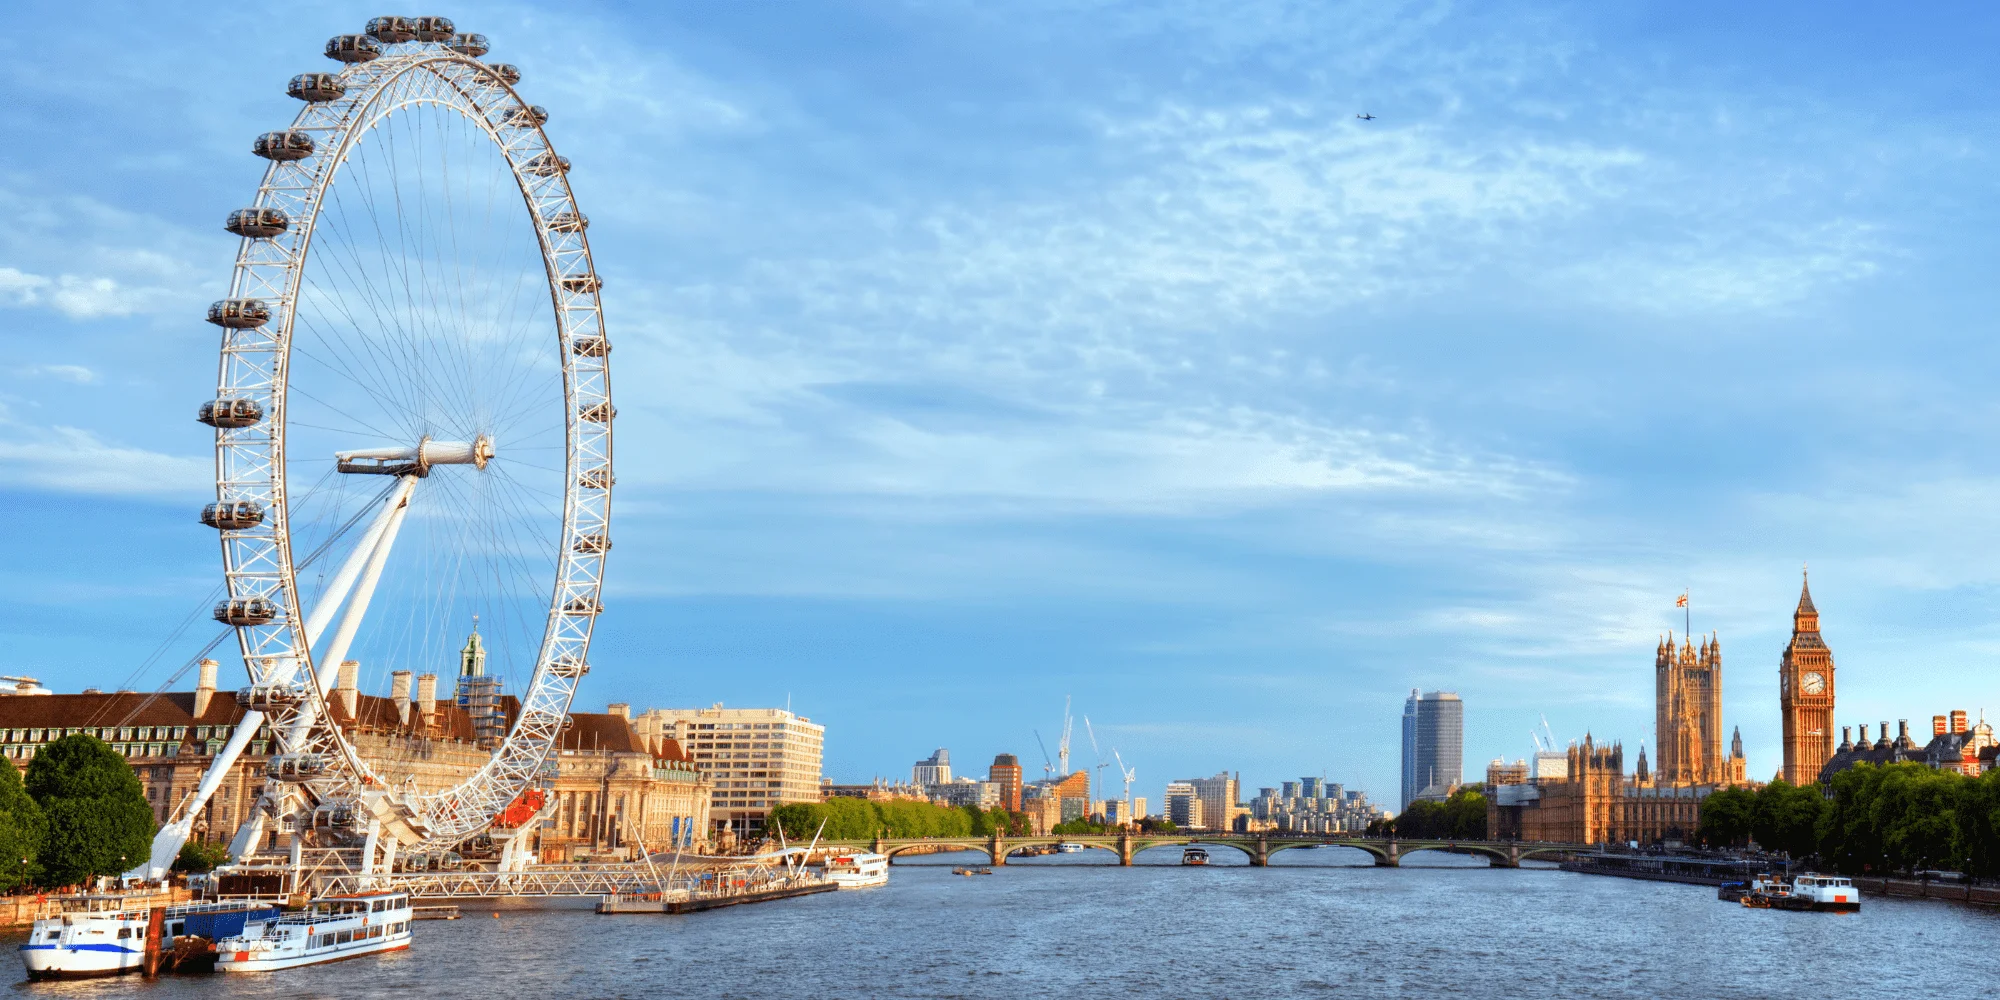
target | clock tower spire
x=1805, y=694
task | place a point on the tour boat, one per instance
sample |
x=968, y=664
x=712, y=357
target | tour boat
x=329, y=929
x=1821, y=892
x=1067, y=847
x=855, y=871
x=106, y=936
x=1194, y=856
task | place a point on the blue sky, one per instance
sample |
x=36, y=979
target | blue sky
x=973, y=355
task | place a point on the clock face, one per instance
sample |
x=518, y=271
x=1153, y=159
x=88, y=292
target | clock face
x=1812, y=683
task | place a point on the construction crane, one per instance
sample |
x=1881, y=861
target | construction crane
x=1062, y=747
x=1125, y=814
x=1047, y=767
x=1097, y=776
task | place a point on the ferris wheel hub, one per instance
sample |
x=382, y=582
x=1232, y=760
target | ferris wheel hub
x=417, y=460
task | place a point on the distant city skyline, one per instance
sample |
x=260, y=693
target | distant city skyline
x=967, y=360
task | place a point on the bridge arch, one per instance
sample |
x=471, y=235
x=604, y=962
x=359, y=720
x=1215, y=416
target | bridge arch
x=1378, y=855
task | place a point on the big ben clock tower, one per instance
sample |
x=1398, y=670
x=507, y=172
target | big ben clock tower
x=1805, y=695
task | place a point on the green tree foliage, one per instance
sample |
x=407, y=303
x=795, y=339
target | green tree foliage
x=861, y=819
x=1727, y=818
x=1080, y=825
x=98, y=819
x=1461, y=817
x=1908, y=817
x=1159, y=824
x=1786, y=817
x=198, y=856
x=22, y=831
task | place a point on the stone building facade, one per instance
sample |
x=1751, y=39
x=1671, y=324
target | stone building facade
x=756, y=759
x=1687, y=711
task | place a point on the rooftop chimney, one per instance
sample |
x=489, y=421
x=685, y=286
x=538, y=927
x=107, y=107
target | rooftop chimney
x=427, y=696
x=1884, y=743
x=1863, y=745
x=620, y=709
x=1846, y=744
x=1958, y=720
x=344, y=689
x=204, y=689
x=1937, y=725
x=399, y=692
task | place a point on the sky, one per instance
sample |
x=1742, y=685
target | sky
x=974, y=356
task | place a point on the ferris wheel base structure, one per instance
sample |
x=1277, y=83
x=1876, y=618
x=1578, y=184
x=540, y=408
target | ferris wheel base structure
x=391, y=316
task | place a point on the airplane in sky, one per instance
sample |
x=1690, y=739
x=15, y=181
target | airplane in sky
x=1366, y=118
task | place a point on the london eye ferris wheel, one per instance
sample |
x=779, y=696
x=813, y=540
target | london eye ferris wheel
x=414, y=384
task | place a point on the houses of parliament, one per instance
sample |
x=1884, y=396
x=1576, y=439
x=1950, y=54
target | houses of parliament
x=1594, y=799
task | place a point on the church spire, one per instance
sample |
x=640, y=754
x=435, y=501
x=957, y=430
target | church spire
x=1805, y=620
x=472, y=659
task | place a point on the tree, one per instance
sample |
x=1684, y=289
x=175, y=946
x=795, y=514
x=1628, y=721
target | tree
x=1786, y=818
x=1979, y=825
x=200, y=856
x=1726, y=818
x=22, y=831
x=98, y=819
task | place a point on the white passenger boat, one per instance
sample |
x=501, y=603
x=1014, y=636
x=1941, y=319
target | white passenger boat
x=855, y=871
x=1823, y=892
x=1069, y=848
x=329, y=929
x=106, y=936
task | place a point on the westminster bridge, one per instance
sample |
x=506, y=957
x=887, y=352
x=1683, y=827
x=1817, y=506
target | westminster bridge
x=1388, y=852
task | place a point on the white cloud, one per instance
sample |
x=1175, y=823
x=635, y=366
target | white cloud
x=76, y=374
x=72, y=460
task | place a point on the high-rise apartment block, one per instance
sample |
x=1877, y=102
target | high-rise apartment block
x=1184, y=806
x=1433, y=746
x=757, y=758
x=932, y=770
x=1005, y=771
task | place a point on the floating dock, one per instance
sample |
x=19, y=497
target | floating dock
x=691, y=903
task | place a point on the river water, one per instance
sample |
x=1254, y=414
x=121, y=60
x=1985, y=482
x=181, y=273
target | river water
x=1316, y=923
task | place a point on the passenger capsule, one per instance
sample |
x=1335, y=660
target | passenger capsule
x=584, y=606
x=548, y=165
x=470, y=44
x=246, y=612
x=568, y=666
x=233, y=515
x=582, y=283
x=230, y=412
x=598, y=413
x=239, y=314
x=433, y=29
x=589, y=347
x=353, y=48
x=317, y=88
x=524, y=117
x=267, y=697
x=596, y=479
x=290, y=144
x=567, y=221
x=295, y=766
x=390, y=29
x=508, y=72
x=592, y=544
x=334, y=816
x=257, y=223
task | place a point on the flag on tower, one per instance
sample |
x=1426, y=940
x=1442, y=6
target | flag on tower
x=1681, y=601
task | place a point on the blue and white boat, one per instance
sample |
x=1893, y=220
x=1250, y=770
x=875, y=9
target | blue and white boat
x=106, y=935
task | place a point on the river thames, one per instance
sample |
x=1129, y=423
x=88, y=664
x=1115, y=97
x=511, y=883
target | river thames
x=1316, y=923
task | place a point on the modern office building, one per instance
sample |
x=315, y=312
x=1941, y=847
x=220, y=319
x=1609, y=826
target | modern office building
x=1433, y=746
x=757, y=758
x=932, y=770
x=1006, y=772
x=963, y=791
x=1184, y=808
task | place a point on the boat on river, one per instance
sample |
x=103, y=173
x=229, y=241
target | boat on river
x=328, y=929
x=109, y=936
x=1194, y=856
x=1069, y=847
x=858, y=870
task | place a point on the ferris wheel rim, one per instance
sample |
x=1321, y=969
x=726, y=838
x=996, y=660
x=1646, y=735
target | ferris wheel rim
x=258, y=561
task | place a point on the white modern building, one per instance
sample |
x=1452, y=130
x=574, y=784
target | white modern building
x=757, y=758
x=932, y=770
